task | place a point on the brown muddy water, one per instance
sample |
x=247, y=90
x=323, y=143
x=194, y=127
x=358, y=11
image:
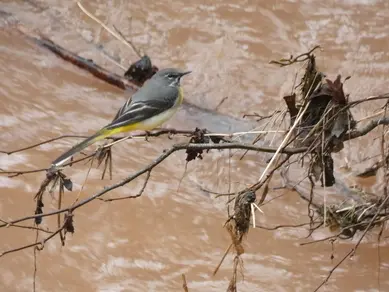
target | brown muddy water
x=175, y=228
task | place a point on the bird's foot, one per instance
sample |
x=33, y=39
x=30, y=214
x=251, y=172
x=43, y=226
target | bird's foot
x=147, y=134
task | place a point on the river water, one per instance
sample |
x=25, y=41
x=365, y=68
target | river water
x=175, y=228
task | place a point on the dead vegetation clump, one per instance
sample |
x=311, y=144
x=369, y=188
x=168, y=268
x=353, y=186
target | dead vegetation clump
x=320, y=122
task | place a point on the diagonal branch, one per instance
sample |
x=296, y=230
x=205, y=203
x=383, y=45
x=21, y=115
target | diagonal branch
x=166, y=154
x=366, y=129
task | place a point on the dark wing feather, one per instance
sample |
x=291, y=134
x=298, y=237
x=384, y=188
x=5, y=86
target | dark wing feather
x=122, y=109
x=151, y=92
x=139, y=111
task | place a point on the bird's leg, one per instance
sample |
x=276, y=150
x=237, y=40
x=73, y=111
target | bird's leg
x=171, y=133
x=147, y=134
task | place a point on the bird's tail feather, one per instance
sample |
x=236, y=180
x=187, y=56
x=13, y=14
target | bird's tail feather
x=80, y=146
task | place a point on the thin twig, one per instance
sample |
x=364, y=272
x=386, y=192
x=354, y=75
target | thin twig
x=349, y=136
x=155, y=133
x=85, y=180
x=221, y=102
x=131, y=196
x=39, y=244
x=253, y=213
x=300, y=58
x=222, y=259
x=117, y=36
x=25, y=227
x=322, y=239
x=283, y=226
x=205, y=146
x=41, y=143
x=333, y=269
x=184, y=284
x=59, y=206
x=370, y=116
x=35, y=265
x=128, y=42
x=354, y=249
x=284, y=141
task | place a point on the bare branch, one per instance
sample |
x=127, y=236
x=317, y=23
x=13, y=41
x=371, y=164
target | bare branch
x=42, y=143
x=184, y=284
x=129, y=43
x=366, y=129
x=300, y=58
x=26, y=227
x=333, y=269
x=283, y=226
x=161, y=158
x=39, y=244
x=131, y=196
x=155, y=133
x=186, y=146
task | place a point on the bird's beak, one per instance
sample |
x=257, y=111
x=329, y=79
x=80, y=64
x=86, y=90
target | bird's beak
x=185, y=73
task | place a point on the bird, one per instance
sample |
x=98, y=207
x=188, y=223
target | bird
x=153, y=104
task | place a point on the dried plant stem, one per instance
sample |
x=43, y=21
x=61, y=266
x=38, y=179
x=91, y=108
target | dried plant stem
x=128, y=42
x=184, y=284
x=41, y=143
x=284, y=141
x=354, y=249
x=25, y=227
x=289, y=134
x=324, y=178
x=35, y=265
x=117, y=36
x=85, y=180
x=222, y=259
x=253, y=213
x=38, y=244
x=371, y=116
x=131, y=196
x=114, y=62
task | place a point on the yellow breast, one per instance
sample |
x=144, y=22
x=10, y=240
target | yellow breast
x=180, y=95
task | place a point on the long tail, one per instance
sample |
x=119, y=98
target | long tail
x=77, y=148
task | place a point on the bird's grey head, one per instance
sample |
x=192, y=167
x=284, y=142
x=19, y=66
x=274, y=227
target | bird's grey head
x=170, y=77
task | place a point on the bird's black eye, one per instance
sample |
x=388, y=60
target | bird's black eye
x=170, y=76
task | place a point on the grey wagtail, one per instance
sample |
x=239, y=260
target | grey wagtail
x=152, y=105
